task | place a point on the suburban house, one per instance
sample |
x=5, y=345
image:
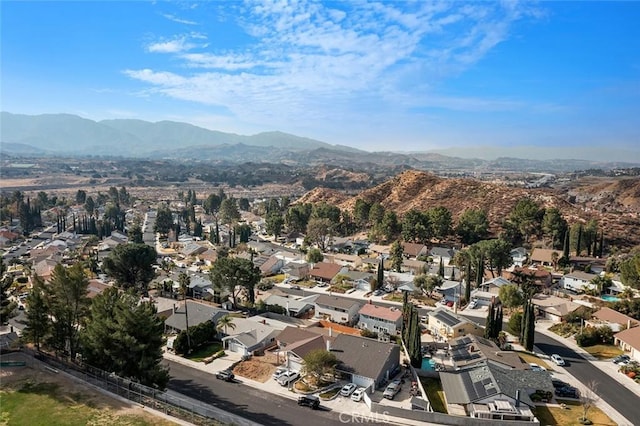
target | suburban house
x=539, y=276
x=296, y=343
x=544, y=257
x=366, y=362
x=578, y=281
x=335, y=309
x=608, y=317
x=294, y=307
x=414, y=266
x=44, y=268
x=493, y=285
x=296, y=270
x=519, y=256
x=380, y=319
x=413, y=250
x=197, y=312
x=488, y=391
x=360, y=280
x=452, y=290
x=248, y=336
x=192, y=248
x=95, y=287
x=271, y=266
x=209, y=257
x=442, y=253
x=552, y=307
x=342, y=259
x=7, y=237
x=445, y=325
x=378, y=249
x=325, y=272
x=471, y=349
x=596, y=265
x=200, y=286
x=629, y=341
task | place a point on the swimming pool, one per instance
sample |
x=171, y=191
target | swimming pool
x=608, y=298
x=428, y=364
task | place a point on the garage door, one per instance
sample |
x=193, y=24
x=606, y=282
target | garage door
x=235, y=347
x=361, y=381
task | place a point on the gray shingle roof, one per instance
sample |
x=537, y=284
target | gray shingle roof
x=198, y=313
x=362, y=356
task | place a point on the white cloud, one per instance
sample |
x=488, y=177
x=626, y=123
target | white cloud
x=178, y=20
x=305, y=61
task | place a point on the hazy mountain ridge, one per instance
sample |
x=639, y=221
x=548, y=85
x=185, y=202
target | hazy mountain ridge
x=66, y=134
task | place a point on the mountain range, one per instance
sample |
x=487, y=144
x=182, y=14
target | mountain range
x=71, y=135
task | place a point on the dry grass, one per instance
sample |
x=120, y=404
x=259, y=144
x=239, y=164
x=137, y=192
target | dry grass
x=530, y=358
x=603, y=351
x=258, y=368
x=550, y=415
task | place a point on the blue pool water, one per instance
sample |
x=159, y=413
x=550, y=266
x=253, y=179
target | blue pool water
x=608, y=298
x=428, y=364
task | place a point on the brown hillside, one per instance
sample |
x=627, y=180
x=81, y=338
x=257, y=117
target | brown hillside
x=421, y=191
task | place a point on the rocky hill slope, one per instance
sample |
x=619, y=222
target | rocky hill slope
x=618, y=203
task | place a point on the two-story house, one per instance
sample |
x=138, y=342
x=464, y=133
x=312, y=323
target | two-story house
x=336, y=309
x=380, y=319
x=578, y=281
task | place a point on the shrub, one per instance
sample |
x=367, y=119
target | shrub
x=595, y=335
x=368, y=333
x=515, y=323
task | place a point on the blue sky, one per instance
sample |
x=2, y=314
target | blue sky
x=545, y=79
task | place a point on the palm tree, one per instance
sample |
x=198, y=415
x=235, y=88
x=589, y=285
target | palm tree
x=627, y=293
x=184, y=281
x=224, y=322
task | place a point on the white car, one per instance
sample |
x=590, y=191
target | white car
x=535, y=367
x=348, y=389
x=357, y=395
x=391, y=391
x=288, y=377
x=557, y=359
x=279, y=371
x=473, y=304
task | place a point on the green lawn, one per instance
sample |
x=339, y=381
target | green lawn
x=603, y=351
x=433, y=388
x=46, y=404
x=203, y=352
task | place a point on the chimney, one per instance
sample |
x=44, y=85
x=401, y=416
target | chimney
x=329, y=343
x=517, y=397
x=330, y=332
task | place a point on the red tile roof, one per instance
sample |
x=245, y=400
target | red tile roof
x=325, y=270
x=615, y=317
x=630, y=336
x=390, y=314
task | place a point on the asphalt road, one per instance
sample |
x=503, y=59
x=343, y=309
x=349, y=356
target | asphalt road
x=248, y=402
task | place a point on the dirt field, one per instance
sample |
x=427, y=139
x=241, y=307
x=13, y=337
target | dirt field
x=258, y=368
x=76, y=393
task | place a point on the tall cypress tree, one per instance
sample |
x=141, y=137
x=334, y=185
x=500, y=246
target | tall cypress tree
x=415, y=353
x=480, y=271
x=441, y=268
x=380, y=274
x=488, y=328
x=601, y=248
x=579, y=242
x=497, y=323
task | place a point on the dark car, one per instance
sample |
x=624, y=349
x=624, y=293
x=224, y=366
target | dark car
x=309, y=401
x=559, y=383
x=225, y=375
x=568, y=392
x=621, y=358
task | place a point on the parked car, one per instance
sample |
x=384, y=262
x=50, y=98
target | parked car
x=378, y=292
x=557, y=359
x=535, y=367
x=559, y=383
x=309, y=401
x=288, y=377
x=357, y=395
x=450, y=303
x=278, y=372
x=568, y=392
x=443, y=302
x=348, y=389
x=473, y=304
x=295, y=287
x=226, y=375
x=620, y=358
x=392, y=390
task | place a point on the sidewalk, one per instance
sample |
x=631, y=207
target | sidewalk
x=605, y=366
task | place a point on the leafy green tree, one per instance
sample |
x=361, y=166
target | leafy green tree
x=320, y=362
x=473, y=226
x=361, y=212
x=274, y=223
x=243, y=204
x=131, y=265
x=184, y=281
x=320, y=231
x=528, y=326
x=389, y=227
x=380, y=274
x=414, y=346
x=6, y=305
x=38, y=322
x=602, y=283
x=376, y=213
x=89, y=206
x=326, y=211
x=235, y=275
x=67, y=304
x=416, y=226
x=81, y=196
x=440, y=221
x=124, y=336
x=229, y=212
x=554, y=226
x=489, y=326
x=630, y=271
x=212, y=203
x=297, y=217
x=515, y=323
x=164, y=221
x=135, y=234
x=526, y=217
x=314, y=255
x=510, y=296
x=397, y=256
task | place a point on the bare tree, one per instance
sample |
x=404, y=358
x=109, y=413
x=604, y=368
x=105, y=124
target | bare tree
x=588, y=398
